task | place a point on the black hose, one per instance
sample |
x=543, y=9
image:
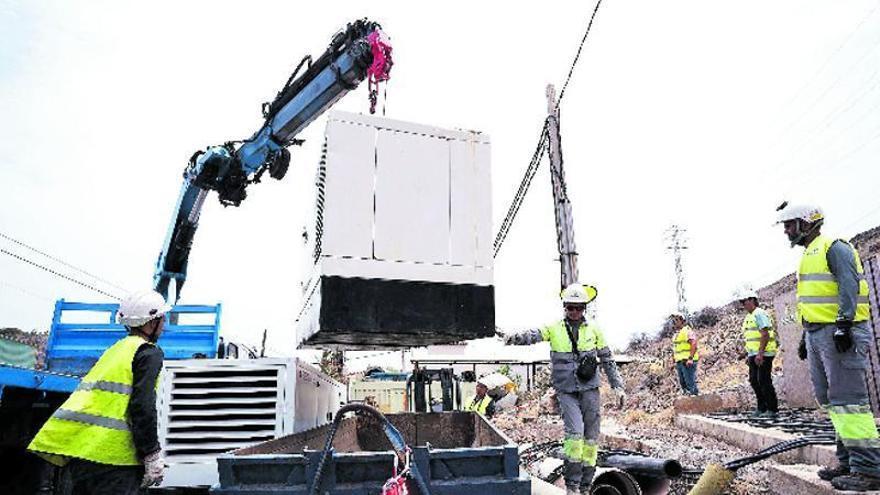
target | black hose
x=394, y=436
x=779, y=448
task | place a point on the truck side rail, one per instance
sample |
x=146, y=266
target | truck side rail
x=74, y=344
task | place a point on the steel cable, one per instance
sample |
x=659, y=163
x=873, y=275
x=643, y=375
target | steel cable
x=57, y=274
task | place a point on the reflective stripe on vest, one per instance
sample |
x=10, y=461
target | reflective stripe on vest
x=752, y=334
x=478, y=407
x=92, y=424
x=681, y=347
x=589, y=337
x=817, y=291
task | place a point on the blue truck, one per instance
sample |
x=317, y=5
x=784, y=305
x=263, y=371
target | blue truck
x=79, y=334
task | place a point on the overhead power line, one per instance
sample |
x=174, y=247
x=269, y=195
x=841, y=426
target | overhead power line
x=57, y=274
x=25, y=291
x=524, y=185
x=578, y=54
x=540, y=149
x=53, y=258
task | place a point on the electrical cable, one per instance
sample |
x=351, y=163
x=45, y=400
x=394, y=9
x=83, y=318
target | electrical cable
x=57, y=274
x=520, y=195
x=25, y=291
x=540, y=149
x=831, y=56
x=778, y=449
x=823, y=67
x=578, y=54
x=22, y=244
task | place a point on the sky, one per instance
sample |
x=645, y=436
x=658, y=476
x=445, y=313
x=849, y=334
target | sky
x=701, y=114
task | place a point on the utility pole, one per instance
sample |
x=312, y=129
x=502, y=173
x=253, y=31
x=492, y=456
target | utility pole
x=564, y=222
x=676, y=242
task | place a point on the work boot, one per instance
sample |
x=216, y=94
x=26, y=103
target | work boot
x=856, y=482
x=829, y=473
x=572, y=490
x=585, y=489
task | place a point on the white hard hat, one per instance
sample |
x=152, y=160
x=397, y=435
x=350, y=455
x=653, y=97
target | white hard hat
x=745, y=293
x=805, y=212
x=141, y=307
x=578, y=294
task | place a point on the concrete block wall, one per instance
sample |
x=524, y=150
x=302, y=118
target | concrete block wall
x=794, y=387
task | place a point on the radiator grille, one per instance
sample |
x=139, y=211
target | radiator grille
x=320, y=185
x=211, y=410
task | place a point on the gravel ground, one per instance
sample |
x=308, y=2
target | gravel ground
x=534, y=422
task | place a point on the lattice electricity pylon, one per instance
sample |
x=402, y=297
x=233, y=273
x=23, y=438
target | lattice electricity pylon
x=676, y=242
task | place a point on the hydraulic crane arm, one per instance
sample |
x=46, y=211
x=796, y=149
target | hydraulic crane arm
x=359, y=51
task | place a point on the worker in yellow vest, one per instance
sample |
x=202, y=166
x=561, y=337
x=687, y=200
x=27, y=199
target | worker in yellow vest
x=577, y=347
x=832, y=301
x=684, y=353
x=760, y=346
x=105, y=433
x=481, y=402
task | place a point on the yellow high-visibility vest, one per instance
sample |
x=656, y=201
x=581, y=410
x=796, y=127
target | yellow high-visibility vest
x=681, y=348
x=92, y=424
x=478, y=406
x=817, y=290
x=752, y=334
x=589, y=337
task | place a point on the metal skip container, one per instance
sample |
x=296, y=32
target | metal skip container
x=456, y=452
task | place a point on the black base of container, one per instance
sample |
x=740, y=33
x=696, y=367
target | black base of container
x=358, y=313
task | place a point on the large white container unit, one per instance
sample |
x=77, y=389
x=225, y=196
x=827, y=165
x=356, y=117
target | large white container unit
x=401, y=239
x=207, y=407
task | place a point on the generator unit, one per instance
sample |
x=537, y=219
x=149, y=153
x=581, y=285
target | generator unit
x=208, y=407
x=400, y=243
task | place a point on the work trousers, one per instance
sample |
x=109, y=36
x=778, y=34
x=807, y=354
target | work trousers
x=840, y=387
x=580, y=416
x=90, y=478
x=687, y=377
x=761, y=379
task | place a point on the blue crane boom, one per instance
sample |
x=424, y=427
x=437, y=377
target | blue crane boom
x=358, y=51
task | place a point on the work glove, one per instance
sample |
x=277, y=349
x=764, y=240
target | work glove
x=154, y=469
x=843, y=336
x=802, y=347
x=511, y=338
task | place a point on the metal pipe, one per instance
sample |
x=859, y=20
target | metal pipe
x=612, y=481
x=646, y=466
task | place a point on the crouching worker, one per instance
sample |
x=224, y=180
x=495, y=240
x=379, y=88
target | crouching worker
x=105, y=433
x=481, y=402
x=576, y=348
